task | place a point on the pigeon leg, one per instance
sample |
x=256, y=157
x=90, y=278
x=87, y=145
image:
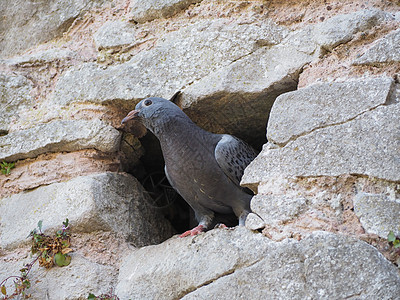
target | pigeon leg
x=198, y=229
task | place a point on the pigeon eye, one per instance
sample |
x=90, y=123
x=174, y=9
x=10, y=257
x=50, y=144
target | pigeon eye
x=147, y=102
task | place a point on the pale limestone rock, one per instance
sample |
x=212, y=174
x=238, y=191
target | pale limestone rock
x=59, y=135
x=254, y=222
x=169, y=65
x=74, y=281
x=384, y=50
x=106, y=201
x=114, y=34
x=14, y=97
x=28, y=23
x=223, y=264
x=275, y=210
x=324, y=104
x=144, y=11
x=378, y=213
x=366, y=145
x=42, y=57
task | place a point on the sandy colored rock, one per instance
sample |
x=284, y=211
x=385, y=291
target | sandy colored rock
x=144, y=11
x=378, y=213
x=108, y=201
x=59, y=135
x=55, y=167
x=324, y=104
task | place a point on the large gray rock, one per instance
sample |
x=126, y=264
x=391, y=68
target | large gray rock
x=59, y=135
x=114, y=34
x=14, y=97
x=74, y=281
x=226, y=264
x=143, y=11
x=107, y=201
x=378, y=213
x=27, y=23
x=385, y=50
x=367, y=145
x=169, y=65
x=324, y=104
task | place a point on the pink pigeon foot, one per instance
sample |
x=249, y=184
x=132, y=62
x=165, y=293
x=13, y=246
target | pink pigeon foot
x=198, y=229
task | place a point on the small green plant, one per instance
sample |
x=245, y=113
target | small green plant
x=50, y=250
x=395, y=241
x=107, y=296
x=6, y=167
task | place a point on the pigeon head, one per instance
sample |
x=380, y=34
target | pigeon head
x=154, y=113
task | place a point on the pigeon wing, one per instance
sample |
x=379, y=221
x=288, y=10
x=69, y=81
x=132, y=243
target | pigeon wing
x=233, y=156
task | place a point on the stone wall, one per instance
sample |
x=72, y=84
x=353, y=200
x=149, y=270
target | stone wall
x=313, y=83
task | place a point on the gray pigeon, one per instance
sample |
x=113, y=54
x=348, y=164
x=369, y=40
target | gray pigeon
x=203, y=167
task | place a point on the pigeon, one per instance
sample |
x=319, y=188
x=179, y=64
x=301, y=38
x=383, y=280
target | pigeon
x=203, y=167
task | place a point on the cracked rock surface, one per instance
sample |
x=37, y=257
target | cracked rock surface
x=235, y=264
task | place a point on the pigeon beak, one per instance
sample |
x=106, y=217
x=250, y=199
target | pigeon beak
x=130, y=116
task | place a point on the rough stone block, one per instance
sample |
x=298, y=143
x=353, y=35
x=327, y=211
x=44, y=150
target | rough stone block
x=108, y=201
x=114, y=34
x=42, y=57
x=74, y=281
x=14, y=97
x=324, y=104
x=215, y=44
x=144, y=11
x=235, y=264
x=35, y=22
x=378, y=213
x=384, y=50
x=367, y=145
x=59, y=135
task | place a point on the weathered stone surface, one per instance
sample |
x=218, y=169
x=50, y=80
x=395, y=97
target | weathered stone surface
x=74, y=281
x=143, y=11
x=14, y=97
x=59, y=135
x=277, y=210
x=214, y=44
x=108, y=201
x=342, y=28
x=238, y=98
x=366, y=145
x=55, y=167
x=378, y=213
x=114, y=34
x=240, y=264
x=317, y=106
x=35, y=22
x=385, y=50
x=42, y=57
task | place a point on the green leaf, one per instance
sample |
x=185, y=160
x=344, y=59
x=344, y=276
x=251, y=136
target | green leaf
x=91, y=296
x=3, y=290
x=391, y=237
x=396, y=244
x=62, y=260
x=39, y=225
x=66, y=223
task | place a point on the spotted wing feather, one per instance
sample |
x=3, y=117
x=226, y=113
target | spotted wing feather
x=233, y=156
